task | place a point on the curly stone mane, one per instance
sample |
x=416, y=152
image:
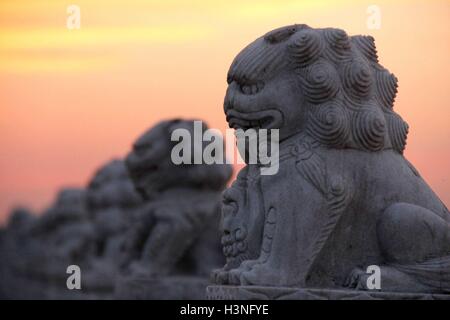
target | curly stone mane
x=349, y=96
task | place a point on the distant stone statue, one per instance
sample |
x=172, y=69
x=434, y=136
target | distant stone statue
x=345, y=198
x=112, y=202
x=38, y=250
x=65, y=228
x=176, y=232
x=143, y=228
x=15, y=249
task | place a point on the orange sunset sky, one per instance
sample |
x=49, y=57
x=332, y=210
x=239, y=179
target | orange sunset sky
x=72, y=99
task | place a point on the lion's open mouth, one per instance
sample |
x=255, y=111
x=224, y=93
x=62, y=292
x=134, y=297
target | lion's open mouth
x=266, y=119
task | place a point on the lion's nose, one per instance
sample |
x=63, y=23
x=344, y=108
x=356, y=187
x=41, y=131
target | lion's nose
x=231, y=91
x=227, y=104
x=226, y=225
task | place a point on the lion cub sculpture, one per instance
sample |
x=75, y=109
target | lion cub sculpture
x=344, y=197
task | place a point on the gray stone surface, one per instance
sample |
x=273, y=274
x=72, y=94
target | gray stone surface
x=286, y=293
x=345, y=197
x=173, y=288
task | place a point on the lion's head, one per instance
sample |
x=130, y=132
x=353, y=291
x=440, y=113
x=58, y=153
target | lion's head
x=318, y=81
x=111, y=186
x=70, y=204
x=152, y=170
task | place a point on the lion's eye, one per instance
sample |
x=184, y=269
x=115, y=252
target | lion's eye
x=229, y=207
x=252, y=88
x=246, y=89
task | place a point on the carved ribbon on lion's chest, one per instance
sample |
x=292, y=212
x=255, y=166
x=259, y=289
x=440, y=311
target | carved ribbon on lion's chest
x=333, y=188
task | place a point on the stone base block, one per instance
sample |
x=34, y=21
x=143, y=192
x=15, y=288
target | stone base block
x=162, y=288
x=283, y=293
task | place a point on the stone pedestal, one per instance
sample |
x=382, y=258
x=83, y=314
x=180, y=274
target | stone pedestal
x=283, y=293
x=163, y=288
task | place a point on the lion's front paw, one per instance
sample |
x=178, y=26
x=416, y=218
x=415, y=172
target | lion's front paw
x=248, y=264
x=260, y=274
x=234, y=275
x=357, y=279
x=219, y=276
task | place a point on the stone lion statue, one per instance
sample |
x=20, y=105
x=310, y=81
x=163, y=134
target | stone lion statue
x=344, y=197
x=173, y=234
x=112, y=201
